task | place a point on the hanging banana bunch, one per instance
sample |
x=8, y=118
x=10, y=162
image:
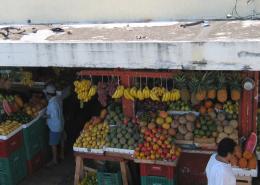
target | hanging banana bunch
x=119, y=92
x=85, y=90
x=26, y=78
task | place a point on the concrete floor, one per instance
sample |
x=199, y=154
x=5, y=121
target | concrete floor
x=63, y=174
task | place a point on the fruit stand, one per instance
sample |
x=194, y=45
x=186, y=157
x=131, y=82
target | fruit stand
x=191, y=110
x=23, y=132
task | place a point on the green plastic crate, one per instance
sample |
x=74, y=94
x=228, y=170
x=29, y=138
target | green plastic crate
x=5, y=179
x=153, y=180
x=109, y=178
x=43, y=131
x=32, y=140
x=13, y=169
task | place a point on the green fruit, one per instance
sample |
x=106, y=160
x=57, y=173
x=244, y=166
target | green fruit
x=201, y=133
x=122, y=141
x=204, y=127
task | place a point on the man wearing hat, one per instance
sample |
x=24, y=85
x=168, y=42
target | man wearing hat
x=55, y=121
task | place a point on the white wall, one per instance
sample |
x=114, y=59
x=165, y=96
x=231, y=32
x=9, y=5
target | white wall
x=166, y=55
x=49, y=11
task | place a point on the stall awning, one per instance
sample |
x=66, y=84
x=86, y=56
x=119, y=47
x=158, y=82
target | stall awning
x=214, y=45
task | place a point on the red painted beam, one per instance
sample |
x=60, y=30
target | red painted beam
x=255, y=100
x=129, y=73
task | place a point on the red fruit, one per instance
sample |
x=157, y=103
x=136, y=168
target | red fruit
x=159, y=142
x=163, y=145
x=140, y=145
x=174, y=158
x=154, y=130
x=162, y=138
x=168, y=156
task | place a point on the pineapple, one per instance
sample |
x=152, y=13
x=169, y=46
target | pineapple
x=222, y=88
x=198, y=84
x=181, y=84
x=197, y=88
x=211, y=93
x=235, y=86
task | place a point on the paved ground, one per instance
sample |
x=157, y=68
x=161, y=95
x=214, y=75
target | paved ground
x=63, y=174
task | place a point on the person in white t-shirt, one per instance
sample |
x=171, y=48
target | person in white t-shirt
x=218, y=170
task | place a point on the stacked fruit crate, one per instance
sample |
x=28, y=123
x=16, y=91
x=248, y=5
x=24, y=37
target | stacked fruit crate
x=154, y=174
x=12, y=160
x=35, y=141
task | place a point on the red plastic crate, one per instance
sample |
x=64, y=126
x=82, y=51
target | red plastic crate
x=35, y=163
x=157, y=170
x=11, y=145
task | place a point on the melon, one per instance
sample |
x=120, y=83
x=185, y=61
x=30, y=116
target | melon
x=251, y=143
x=172, y=132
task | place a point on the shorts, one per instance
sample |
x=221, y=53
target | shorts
x=55, y=138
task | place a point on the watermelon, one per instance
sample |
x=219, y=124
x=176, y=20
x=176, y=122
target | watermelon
x=7, y=108
x=251, y=143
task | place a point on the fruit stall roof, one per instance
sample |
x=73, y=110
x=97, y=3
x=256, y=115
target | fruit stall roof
x=216, y=45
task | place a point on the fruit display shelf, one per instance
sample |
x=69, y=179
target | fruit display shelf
x=245, y=172
x=164, y=163
x=119, y=150
x=40, y=114
x=88, y=150
x=183, y=112
x=6, y=137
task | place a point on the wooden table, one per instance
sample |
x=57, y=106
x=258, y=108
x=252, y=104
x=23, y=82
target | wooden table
x=107, y=156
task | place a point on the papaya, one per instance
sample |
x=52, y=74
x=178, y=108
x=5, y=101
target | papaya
x=242, y=163
x=18, y=100
x=7, y=107
x=247, y=155
x=252, y=163
x=103, y=114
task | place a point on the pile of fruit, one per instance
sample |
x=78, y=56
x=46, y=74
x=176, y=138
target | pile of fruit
x=90, y=179
x=20, y=117
x=124, y=136
x=93, y=135
x=231, y=107
x=206, y=127
x=184, y=124
x=217, y=126
x=114, y=115
x=244, y=159
x=8, y=126
x=179, y=106
x=35, y=104
x=10, y=104
x=157, y=145
x=158, y=139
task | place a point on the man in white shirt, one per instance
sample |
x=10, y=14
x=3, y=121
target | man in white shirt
x=218, y=170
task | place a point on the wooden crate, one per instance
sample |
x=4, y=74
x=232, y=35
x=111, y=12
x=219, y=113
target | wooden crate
x=243, y=180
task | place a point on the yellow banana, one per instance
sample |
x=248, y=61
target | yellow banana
x=140, y=94
x=133, y=92
x=154, y=97
x=127, y=94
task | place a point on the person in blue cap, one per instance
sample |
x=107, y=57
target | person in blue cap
x=55, y=122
